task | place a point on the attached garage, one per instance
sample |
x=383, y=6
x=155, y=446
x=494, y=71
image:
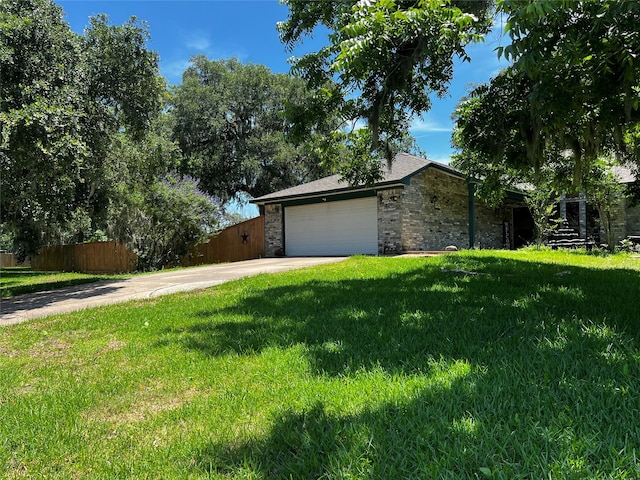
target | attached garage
x=418, y=205
x=344, y=227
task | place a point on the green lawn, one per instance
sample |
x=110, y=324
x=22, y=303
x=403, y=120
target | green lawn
x=475, y=365
x=20, y=280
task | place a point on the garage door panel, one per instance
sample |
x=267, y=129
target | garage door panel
x=332, y=228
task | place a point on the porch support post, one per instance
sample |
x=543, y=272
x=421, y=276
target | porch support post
x=472, y=213
x=582, y=211
x=563, y=206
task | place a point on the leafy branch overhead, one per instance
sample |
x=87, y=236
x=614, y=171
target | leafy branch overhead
x=571, y=95
x=386, y=57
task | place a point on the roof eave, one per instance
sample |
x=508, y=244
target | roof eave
x=328, y=193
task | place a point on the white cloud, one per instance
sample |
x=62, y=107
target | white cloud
x=420, y=125
x=173, y=71
x=198, y=42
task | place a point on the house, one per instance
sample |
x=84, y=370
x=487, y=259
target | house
x=419, y=205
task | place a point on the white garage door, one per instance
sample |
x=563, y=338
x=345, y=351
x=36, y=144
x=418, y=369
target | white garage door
x=332, y=228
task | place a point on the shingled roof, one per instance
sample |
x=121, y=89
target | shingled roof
x=404, y=167
x=624, y=173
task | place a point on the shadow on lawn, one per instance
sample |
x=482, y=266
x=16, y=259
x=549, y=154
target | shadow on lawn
x=551, y=387
x=13, y=281
x=390, y=442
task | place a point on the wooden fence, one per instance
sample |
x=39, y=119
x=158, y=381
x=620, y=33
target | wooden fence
x=244, y=241
x=97, y=257
x=7, y=260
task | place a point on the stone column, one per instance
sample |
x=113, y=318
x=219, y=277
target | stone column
x=273, y=235
x=390, y=221
x=582, y=213
x=563, y=206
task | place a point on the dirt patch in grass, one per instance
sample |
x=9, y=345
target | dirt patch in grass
x=58, y=348
x=40, y=325
x=6, y=351
x=49, y=349
x=112, y=346
x=148, y=402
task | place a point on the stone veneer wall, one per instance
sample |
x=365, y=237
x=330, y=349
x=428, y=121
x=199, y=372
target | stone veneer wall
x=619, y=226
x=489, y=225
x=390, y=204
x=633, y=217
x=435, y=213
x=434, y=225
x=625, y=221
x=273, y=229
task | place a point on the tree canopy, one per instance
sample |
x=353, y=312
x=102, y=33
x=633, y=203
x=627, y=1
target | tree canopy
x=62, y=96
x=229, y=121
x=571, y=95
x=583, y=58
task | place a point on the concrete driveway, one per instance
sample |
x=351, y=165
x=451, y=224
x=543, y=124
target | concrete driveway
x=25, y=307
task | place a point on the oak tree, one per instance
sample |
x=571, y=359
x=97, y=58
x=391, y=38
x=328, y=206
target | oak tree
x=230, y=123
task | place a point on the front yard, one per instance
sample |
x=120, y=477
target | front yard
x=475, y=365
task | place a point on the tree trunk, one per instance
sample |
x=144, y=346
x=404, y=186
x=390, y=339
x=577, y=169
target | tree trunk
x=605, y=219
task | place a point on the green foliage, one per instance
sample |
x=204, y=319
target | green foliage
x=386, y=57
x=123, y=75
x=543, y=205
x=604, y=190
x=229, y=122
x=42, y=154
x=155, y=211
x=62, y=96
x=582, y=57
x=497, y=131
x=363, y=167
x=168, y=217
x=628, y=246
x=323, y=127
x=632, y=139
x=6, y=239
x=569, y=97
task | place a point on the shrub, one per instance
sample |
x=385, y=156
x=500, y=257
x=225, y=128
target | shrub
x=161, y=222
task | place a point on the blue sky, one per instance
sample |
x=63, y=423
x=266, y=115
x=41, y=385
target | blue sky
x=246, y=29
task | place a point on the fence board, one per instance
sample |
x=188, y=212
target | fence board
x=97, y=257
x=244, y=241
x=7, y=260
x=49, y=259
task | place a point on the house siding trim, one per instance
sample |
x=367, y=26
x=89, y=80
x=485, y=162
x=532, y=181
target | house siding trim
x=328, y=198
